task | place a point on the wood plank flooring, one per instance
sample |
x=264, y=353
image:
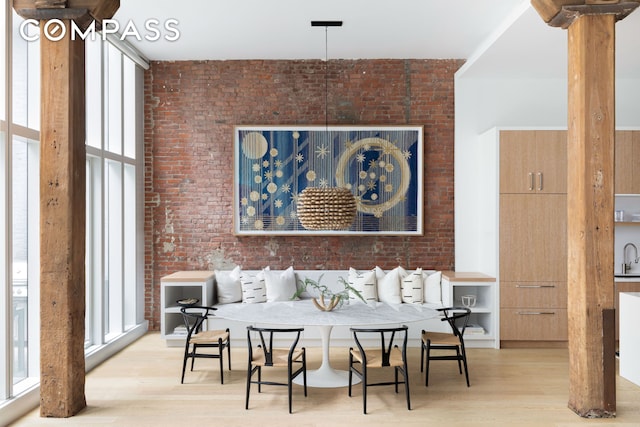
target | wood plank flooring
x=140, y=386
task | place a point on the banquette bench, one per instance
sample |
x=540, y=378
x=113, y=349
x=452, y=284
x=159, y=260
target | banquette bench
x=397, y=286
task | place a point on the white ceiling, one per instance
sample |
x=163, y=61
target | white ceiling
x=502, y=37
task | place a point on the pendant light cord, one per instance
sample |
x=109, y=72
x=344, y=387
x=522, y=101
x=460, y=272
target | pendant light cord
x=326, y=78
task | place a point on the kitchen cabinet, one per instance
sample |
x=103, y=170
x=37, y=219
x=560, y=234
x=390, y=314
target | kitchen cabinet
x=627, y=159
x=532, y=237
x=533, y=161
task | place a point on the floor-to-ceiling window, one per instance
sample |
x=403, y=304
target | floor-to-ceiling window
x=22, y=203
x=113, y=168
x=114, y=256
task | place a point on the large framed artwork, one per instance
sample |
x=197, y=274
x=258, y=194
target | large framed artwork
x=304, y=180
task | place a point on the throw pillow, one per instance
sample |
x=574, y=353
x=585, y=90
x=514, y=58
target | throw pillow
x=432, y=290
x=281, y=286
x=388, y=285
x=253, y=288
x=228, y=286
x=365, y=283
x=411, y=287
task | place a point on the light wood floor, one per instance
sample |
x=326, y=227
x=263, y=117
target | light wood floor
x=510, y=387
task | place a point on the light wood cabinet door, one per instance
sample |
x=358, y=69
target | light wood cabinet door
x=627, y=162
x=551, y=161
x=533, y=161
x=533, y=294
x=533, y=242
x=533, y=324
x=517, y=161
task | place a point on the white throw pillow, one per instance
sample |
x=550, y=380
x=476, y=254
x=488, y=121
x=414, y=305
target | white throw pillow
x=228, y=286
x=281, y=286
x=411, y=287
x=432, y=289
x=253, y=288
x=388, y=285
x=365, y=283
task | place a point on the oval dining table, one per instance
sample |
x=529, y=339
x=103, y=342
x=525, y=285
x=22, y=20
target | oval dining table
x=304, y=313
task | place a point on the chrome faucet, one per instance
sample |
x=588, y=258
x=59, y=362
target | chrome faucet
x=626, y=266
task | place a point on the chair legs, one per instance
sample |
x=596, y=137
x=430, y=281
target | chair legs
x=290, y=380
x=461, y=357
x=193, y=354
x=365, y=384
x=464, y=361
x=291, y=374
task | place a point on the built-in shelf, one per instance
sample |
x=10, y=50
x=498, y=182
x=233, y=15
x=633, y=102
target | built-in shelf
x=181, y=285
x=457, y=284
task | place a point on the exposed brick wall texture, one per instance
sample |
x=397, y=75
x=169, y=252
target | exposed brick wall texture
x=191, y=108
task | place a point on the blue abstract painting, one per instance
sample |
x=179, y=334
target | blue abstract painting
x=381, y=166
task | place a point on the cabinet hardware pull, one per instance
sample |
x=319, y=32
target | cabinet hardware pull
x=540, y=181
x=531, y=184
x=535, y=286
x=534, y=313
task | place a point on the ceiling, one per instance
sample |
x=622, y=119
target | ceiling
x=501, y=38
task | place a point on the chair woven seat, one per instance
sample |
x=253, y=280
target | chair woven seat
x=375, y=359
x=440, y=338
x=280, y=357
x=208, y=336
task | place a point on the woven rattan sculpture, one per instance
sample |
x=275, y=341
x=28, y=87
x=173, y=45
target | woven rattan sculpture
x=326, y=208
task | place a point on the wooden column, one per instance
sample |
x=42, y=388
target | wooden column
x=590, y=196
x=590, y=205
x=62, y=199
x=62, y=227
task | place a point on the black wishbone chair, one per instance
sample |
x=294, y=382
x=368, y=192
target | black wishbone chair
x=387, y=354
x=194, y=316
x=262, y=354
x=457, y=317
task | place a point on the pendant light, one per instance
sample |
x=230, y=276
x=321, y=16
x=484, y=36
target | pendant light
x=331, y=208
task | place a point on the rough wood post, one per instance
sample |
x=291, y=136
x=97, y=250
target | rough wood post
x=590, y=205
x=590, y=195
x=62, y=227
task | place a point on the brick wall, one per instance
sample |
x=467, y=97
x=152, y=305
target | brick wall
x=191, y=108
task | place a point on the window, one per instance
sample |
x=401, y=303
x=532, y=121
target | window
x=3, y=64
x=25, y=250
x=4, y=275
x=25, y=77
x=20, y=206
x=4, y=343
x=114, y=222
x=93, y=81
x=113, y=100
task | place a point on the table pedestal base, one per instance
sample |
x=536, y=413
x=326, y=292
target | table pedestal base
x=326, y=376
